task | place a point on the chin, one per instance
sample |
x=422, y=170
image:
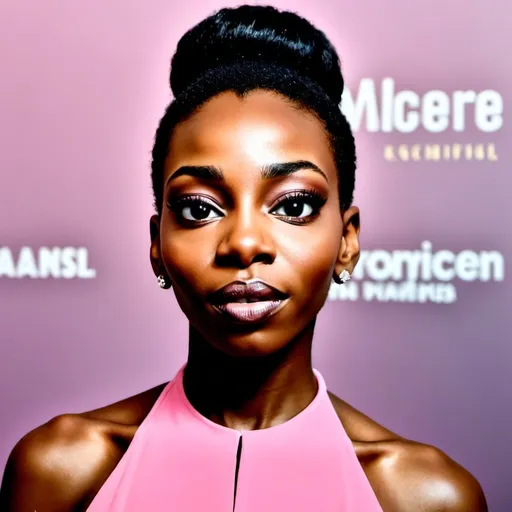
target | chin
x=253, y=344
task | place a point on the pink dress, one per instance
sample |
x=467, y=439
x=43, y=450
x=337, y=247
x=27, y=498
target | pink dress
x=179, y=461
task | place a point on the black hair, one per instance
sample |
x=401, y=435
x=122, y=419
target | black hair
x=258, y=47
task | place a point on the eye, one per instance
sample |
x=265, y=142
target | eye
x=195, y=209
x=294, y=208
x=199, y=211
x=299, y=206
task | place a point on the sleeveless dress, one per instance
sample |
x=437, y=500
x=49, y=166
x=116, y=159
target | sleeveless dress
x=180, y=461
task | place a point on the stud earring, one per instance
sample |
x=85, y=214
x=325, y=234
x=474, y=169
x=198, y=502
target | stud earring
x=161, y=281
x=344, y=276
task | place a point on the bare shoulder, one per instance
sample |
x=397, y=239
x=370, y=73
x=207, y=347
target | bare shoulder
x=62, y=464
x=413, y=476
x=407, y=475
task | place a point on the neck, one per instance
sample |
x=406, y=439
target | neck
x=248, y=393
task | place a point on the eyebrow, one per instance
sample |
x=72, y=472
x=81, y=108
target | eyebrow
x=268, y=172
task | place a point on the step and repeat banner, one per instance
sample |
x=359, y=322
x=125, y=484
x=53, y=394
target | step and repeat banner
x=419, y=340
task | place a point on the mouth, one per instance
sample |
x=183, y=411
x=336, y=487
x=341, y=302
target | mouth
x=247, y=302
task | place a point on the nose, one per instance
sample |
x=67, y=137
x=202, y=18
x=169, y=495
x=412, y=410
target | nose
x=246, y=240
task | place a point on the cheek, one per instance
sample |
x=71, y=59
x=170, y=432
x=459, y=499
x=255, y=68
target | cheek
x=312, y=253
x=186, y=255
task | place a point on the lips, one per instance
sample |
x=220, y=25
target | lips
x=247, y=302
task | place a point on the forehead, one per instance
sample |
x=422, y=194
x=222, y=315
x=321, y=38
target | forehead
x=261, y=128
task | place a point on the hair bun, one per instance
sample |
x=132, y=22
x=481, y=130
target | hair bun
x=257, y=33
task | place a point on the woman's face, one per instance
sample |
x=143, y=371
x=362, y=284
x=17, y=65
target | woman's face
x=251, y=201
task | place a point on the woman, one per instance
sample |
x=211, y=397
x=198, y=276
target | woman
x=253, y=176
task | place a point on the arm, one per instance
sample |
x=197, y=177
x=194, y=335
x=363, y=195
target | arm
x=54, y=468
x=451, y=487
x=422, y=478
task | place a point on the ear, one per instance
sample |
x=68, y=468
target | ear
x=154, y=252
x=349, y=248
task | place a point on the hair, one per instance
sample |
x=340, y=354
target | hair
x=258, y=47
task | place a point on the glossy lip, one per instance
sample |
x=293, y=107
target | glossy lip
x=247, y=302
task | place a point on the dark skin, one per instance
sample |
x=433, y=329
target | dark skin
x=245, y=231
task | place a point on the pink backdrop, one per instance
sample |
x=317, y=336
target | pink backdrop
x=82, y=87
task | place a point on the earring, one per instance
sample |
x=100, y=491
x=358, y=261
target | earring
x=344, y=276
x=161, y=281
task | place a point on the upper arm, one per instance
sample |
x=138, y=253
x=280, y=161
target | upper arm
x=33, y=478
x=422, y=478
x=28, y=485
x=52, y=468
x=453, y=488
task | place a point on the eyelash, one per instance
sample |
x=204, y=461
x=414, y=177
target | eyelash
x=310, y=197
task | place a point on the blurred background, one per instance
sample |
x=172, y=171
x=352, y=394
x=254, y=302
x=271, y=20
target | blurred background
x=420, y=339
